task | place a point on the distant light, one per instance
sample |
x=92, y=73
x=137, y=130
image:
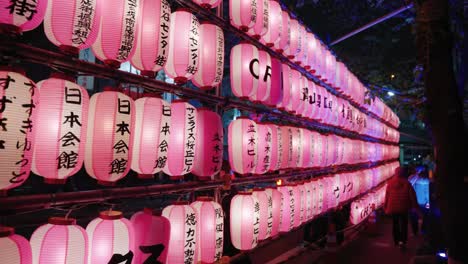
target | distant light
x=390, y=94
x=414, y=158
x=279, y=182
x=442, y=254
x=419, y=156
x=392, y=76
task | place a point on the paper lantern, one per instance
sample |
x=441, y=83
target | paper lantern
x=152, y=232
x=244, y=66
x=110, y=134
x=19, y=16
x=243, y=13
x=266, y=212
x=152, y=127
x=72, y=25
x=308, y=200
x=264, y=149
x=275, y=153
x=118, y=31
x=302, y=57
x=244, y=221
x=14, y=248
x=296, y=154
x=18, y=100
x=182, y=139
x=312, y=43
x=276, y=90
x=152, y=38
x=295, y=42
x=286, y=102
x=63, y=115
x=274, y=198
x=297, y=197
x=111, y=237
x=261, y=25
x=318, y=149
x=263, y=76
x=306, y=155
x=60, y=241
x=184, y=46
x=208, y=3
x=285, y=35
x=275, y=25
x=288, y=209
x=183, y=239
x=243, y=145
x=211, y=64
x=319, y=60
x=286, y=146
x=210, y=230
x=296, y=104
x=303, y=209
x=209, y=151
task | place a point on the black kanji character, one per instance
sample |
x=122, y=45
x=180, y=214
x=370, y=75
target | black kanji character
x=154, y=251
x=165, y=129
x=24, y=8
x=73, y=95
x=118, y=166
x=69, y=139
x=3, y=123
x=67, y=160
x=161, y=162
x=5, y=82
x=119, y=258
x=3, y=102
x=190, y=219
x=72, y=119
x=121, y=147
x=123, y=128
x=124, y=106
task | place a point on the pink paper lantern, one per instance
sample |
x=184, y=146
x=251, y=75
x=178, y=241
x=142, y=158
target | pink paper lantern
x=244, y=221
x=18, y=98
x=110, y=235
x=297, y=197
x=14, y=248
x=210, y=230
x=286, y=102
x=183, y=239
x=72, y=25
x=209, y=152
x=302, y=57
x=312, y=46
x=264, y=149
x=276, y=90
x=152, y=130
x=244, y=65
x=19, y=16
x=210, y=72
x=286, y=146
x=312, y=197
x=275, y=153
x=285, y=35
x=244, y=13
x=151, y=229
x=266, y=210
x=152, y=42
x=262, y=22
x=118, y=31
x=274, y=198
x=275, y=24
x=296, y=158
x=296, y=103
x=306, y=141
x=296, y=40
x=303, y=194
x=243, y=145
x=308, y=200
x=288, y=209
x=60, y=241
x=59, y=148
x=319, y=60
x=184, y=46
x=317, y=149
x=110, y=133
x=182, y=139
x=262, y=94
x=208, y=3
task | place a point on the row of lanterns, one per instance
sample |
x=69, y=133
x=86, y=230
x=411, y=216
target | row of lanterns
x=364, y=206
x=258, y=148
x=181, y=233
x=146, y=33
x=258, y=77
x=53, y=128
x=263, y=213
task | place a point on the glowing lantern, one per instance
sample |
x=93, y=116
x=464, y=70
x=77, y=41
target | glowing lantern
x=19, y=16
x=117, y=33
x=183, y=239
x=286, y=146
x=184, y=46
x=276, y=90
x=72, y=25
x=288, y=209
x=296, y=158
x=60, y=241
x=263, y=76
x=110, y=235
x=296, y=103
x=18, y=98
x=275, y=153
x=210, y=228
x=109, y=143
x=209, y=151
x=303, y=209
x=244, y=221
x=276, y=211
x=208, y=3
x=243, y=145
x=306, y=155
x=152, y=38
x=243, y=13
x=244, y=66
x=151, y=231
x=285, y=35
x=261, y=24
x=302, y=57
x=211, y=64
x=59, y=148
x=286, y=102
x=308, y=200
x=275, y=24
x=311, y=50
x=266, y=213
x=296, y=40
x=182, y=139
x=152, y=122
x=314, y=110
x=264, y=149
x=319, y=60
x=14, y=248
x=318, y=149
x=297, y=197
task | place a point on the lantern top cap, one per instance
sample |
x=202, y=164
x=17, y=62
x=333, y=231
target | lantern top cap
x=258, y=189
x=205, y=199
x=110, y=215
x=155, y=212
x=180, y=203
x=244, y=193
x=61, y=221
x=6, y=231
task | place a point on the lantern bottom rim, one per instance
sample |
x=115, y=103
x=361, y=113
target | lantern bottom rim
x=112, y=63
x=145, y=176
x=55, y=181
x=106, y=183
x=70, y=50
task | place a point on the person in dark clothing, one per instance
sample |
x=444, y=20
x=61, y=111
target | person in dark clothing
x=399, y=199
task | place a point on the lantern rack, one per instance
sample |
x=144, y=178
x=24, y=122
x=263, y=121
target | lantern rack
x=17, y=204
x=11, y=51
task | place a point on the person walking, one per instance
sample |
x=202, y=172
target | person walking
x=400, y=197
